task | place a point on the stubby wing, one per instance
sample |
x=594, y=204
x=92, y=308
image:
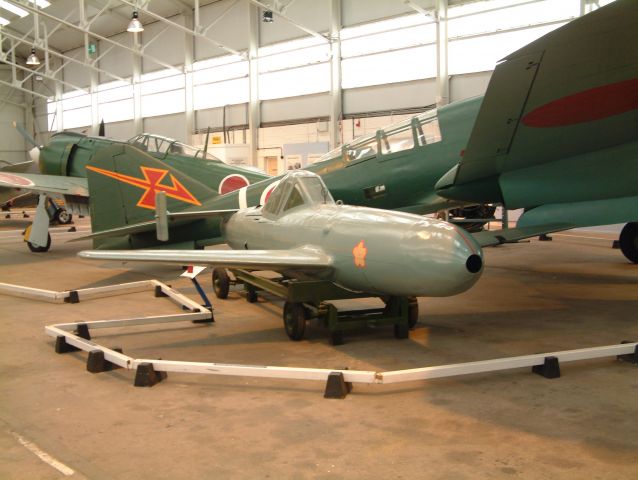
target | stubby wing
x=305, y=259
x=34, y=182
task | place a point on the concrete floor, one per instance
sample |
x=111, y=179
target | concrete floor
x=573, y=292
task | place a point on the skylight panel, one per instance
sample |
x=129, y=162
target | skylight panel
x=13, y=9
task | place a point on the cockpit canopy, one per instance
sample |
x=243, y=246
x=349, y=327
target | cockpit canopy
x=299, y=188
x=159, y=145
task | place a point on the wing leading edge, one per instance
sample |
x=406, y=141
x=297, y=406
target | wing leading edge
x=306, y=259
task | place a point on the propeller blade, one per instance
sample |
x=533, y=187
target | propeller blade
x=27, y=136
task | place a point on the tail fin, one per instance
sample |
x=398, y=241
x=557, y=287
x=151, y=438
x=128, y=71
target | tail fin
x=123, y=182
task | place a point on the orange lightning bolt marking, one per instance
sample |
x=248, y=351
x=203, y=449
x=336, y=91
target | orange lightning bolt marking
x=151, y=185
x=359, y=252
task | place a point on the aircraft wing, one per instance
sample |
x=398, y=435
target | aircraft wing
x=550, y=101
x=35, y=182
x=305, y=259
x=488, y=238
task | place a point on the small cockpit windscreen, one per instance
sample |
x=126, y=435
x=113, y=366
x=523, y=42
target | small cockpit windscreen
x=315, y=190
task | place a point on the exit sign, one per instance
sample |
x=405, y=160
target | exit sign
x=92, y=47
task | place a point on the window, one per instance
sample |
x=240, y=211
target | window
x=427, y=128
x=220, y=81
x=163, y=93
x=483, y=53
x=275, y=199
x=289, y=69
x=482, y=33
x=115, y=101
x=294, y=200
x=294, y=82
x=364, y=148
x=397, y=138
x=76, y=109
x=396, y=50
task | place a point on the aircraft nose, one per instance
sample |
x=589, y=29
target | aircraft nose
x=446, y=259
x=34, y=155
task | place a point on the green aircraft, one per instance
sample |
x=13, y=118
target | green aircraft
x=62, y=163
x=302, y=233
x=555, y=134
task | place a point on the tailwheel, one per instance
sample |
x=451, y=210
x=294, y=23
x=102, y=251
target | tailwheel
x=294, y=320
x=413, y=312
x=629, y=241
x=63, y=217
x=38, y=249
x=221, y=283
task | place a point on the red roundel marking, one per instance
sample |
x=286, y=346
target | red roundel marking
x=266, y=193
x=587, y=106
x=232, y=182
x=16, y=180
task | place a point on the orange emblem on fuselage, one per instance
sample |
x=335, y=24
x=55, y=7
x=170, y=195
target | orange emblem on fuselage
x=359, y=252
x=151, y=185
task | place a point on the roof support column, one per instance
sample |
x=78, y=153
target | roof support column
x=95, y=121
x=189, y=48
x=254, y=111
x=442, y=77
x=336, y=97
x=138, y=124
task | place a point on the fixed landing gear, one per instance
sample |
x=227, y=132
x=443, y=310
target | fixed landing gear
x=40, y=249
x=62, y=216
x=629, y=241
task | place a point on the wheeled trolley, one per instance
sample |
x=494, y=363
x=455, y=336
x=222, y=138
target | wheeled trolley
x=307, y=299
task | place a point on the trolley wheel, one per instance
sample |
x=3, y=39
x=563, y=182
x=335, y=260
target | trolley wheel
x=45, y=248
x=221, y=283
x=336, y=338
x=413, y=312
x=63, y=217
x=251, y=294
x=401, y=331
x=294, y=320
x=629, y=241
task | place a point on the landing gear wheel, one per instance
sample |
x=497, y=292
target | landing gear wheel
x=45, y=248
x=401, y=332
x=251, y=294
x=221, y=283
x=629, y=241
x=63, y=217
x=336, y=338
x=294, y=320
x=413, y=312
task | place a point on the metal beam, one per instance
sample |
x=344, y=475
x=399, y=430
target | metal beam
x=254, y=110
x=18, y=87
x=290, y=20
x=135, y=51
x=442, y=77
x=192, y=32
x=336, y=102
x=37, y=72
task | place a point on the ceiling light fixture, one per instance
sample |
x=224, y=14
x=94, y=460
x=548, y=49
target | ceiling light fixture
x=267, y=16
x=33, y=59
x=135, y=26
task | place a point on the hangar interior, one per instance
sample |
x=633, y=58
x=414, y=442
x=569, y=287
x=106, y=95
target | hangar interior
x=318, y=75
x=276, y=84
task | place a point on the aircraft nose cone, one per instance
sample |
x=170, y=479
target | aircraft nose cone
x=34, y=155
x=444, y=259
